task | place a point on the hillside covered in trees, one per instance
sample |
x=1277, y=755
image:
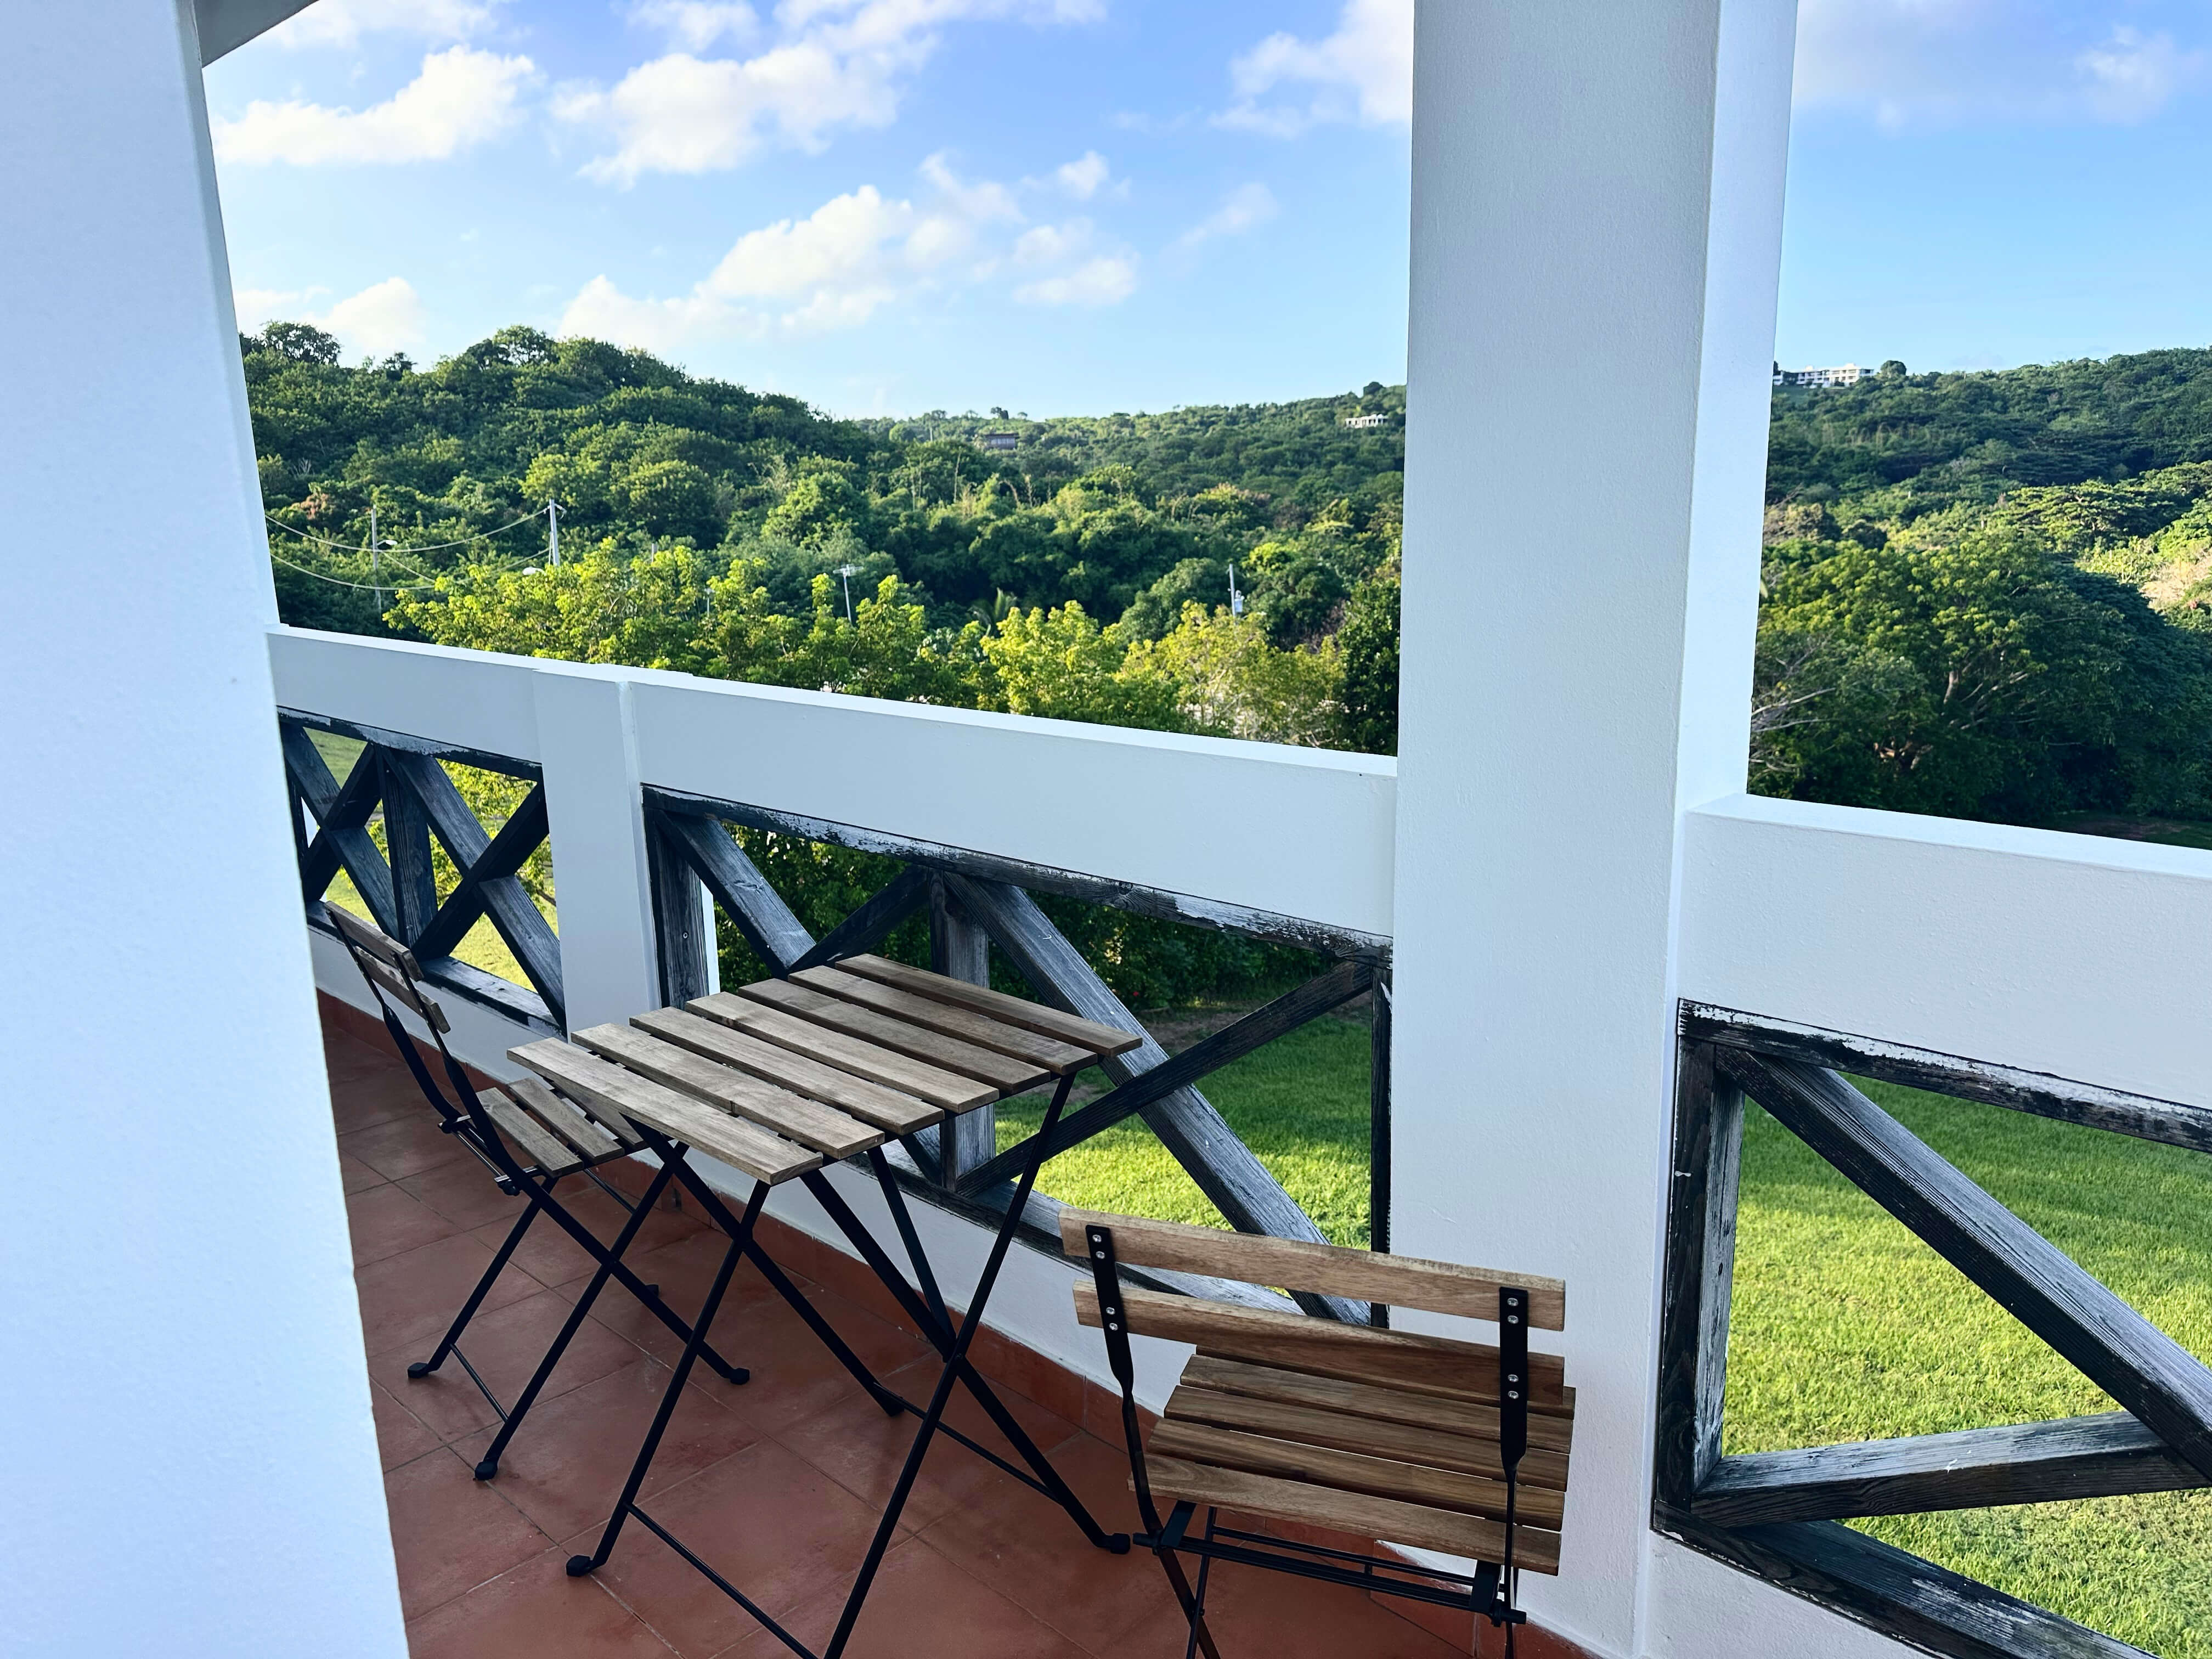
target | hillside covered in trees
x=1986, y=594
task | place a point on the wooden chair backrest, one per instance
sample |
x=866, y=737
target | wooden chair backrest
x=1401, y=1281
x=390, y=964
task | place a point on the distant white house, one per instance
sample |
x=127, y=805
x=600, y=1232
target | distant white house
x=1361, y=422
x=1849, y=374
x=999, y=440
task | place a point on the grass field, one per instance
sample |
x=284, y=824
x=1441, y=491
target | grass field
x=1300, y=1102
x=1844, y=1325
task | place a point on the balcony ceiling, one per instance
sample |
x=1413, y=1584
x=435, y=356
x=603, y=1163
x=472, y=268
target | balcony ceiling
x=226, y=25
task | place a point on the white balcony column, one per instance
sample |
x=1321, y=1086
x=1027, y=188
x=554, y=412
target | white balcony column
x=1597, y=206
x=190, y=1463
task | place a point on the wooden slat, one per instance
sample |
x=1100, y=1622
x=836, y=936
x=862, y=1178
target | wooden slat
x=567, y=1119
x=1391, y=1522
x=1317, y=1426
x=747, y=1146
x=1551, y=1428
x=405, y=993
x=371, y=938
x=1403, y=1280
x=1377, y=1477
x=1002, y=1072
x=939, y=1087
x=538, y=1144
x=2100, y=1456
x=965, y=1023
x=794, y=1117
x=872, y=1102
x=1099, y=1039
x=1427, y=1364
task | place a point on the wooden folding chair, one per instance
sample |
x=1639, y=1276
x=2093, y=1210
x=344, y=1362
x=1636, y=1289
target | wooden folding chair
x=1433, y=1442
x=530, y=1136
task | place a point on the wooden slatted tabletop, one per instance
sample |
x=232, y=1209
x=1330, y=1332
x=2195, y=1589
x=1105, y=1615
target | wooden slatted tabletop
x=780, y=1077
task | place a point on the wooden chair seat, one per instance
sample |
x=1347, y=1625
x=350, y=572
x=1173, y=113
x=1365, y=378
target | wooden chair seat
x=1384, y=1434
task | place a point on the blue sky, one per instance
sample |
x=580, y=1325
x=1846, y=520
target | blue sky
x=1084, y=205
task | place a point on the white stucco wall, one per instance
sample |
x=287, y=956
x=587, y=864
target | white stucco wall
x=187, y=1457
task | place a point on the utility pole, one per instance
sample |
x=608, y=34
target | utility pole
x=553, y=531
x=1236, y=599
x=845, y=575
x=376, y=583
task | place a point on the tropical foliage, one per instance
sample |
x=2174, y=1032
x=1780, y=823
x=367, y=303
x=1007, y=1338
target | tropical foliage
x=1985, y=594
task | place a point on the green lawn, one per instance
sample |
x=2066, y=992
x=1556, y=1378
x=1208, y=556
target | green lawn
x=1845, y=1326
x=1300, y=1102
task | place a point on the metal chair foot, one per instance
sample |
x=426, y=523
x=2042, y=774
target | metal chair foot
x=486, y=1469
x=578, y=1565
x=420, y=1368
x=1118, y=1544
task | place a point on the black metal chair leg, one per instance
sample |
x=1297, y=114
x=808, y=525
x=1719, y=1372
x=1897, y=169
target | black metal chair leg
x=1189, y=1603
x=1198, y=1600
x=578, y=1565
x=424, y=1367
x=487, y=1465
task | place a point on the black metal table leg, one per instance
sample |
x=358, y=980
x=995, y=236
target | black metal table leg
x=934, y=1415
x=742, y=1235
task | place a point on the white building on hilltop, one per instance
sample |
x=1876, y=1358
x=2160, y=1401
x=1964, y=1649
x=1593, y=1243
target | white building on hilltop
x=1849, y=374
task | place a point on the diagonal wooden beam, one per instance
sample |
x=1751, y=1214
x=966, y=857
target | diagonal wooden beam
x=777, y=936
x=2101, y=1456
x=2109, y=1342
x=870, y=924
x=1262, y=1025
x=1226, y=1171
x=487, y=884
x=342, y=840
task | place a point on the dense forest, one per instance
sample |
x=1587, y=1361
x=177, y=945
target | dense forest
x=1986, y=594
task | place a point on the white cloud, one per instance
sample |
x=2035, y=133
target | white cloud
x=462, y=97
x=1107, y=280
x=1364, y=73
x=833, y=63
x=385, y=317
x=695, y=25
x=1084, y=178
x=343, y=23
x=382, y=317
x=1246, y=206
x=857, y=254
x=1917, y=63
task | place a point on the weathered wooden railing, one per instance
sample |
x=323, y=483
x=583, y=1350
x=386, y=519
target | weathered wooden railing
x=636, y=779
x=1778, y=1514
x=979, y=898
x=399, y=780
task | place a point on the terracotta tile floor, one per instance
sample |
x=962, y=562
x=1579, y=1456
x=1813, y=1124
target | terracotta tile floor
x=778, y=1483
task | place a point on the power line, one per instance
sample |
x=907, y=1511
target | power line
x=427, y=547
x=338, y=582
